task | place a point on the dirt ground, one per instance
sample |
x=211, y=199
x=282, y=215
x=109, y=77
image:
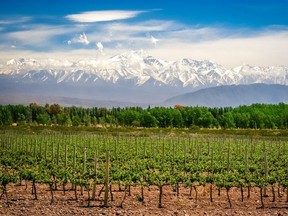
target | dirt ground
x=21, y=202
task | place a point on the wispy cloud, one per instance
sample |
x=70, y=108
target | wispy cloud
x=37, y=35
x=263, y=49
x=82, y=39
x=101, y=16
x=194, y=34
x=15, y=20
x=146, y=26
x=166, y=39
x=100, y=46
x=268, y=48
x=138, y=35
x=153, y=40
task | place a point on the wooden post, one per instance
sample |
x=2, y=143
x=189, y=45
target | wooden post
x=106, y=183
x=45, y=154
x=66, y=149
x=228, y=156
x=53, y=151
x=74, y=165
x=95, y=180
x=266, y=171
x=84, y=169
x=58, y=153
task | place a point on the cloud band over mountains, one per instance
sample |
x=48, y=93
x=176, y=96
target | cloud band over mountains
x=79, y=34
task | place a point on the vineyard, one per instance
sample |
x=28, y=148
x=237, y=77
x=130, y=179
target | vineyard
x=99, y=166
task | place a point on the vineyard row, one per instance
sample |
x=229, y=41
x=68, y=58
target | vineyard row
x=88, y=160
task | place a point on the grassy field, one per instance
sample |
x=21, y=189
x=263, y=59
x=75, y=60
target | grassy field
x=147, y=131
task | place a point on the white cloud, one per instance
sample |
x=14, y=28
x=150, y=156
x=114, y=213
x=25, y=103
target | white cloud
x=266, y=49
x=263, y=49
x=193, y=34
x=99, y=46
x=227, y=46
x=82, y=39
x=100, y=16
x=118, y=45
x=15, y=20
x=152, y=39
x=130, y=34
x=37, y=35
x=147, y=26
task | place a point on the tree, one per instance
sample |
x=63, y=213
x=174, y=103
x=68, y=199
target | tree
x=148, y=120
x=63, y=119
x=5, y=116
x=54, y=109
x=177, y=120
x=228, y=120
x=93, y=120
x=87, y=120
x=241, y=120
x=206, y=120
x=257, y=119
x=76, y=121
x=163, y=116
x=43, y=118
x=34, y=110
x=21, y=119
x=190, y=116
x=127, y=116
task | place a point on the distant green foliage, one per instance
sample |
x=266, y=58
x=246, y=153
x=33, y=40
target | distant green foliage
x=256, y=116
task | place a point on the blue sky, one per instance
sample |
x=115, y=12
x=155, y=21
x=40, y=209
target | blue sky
x=228, y=32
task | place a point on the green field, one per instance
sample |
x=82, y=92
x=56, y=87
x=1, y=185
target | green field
x=143, y=158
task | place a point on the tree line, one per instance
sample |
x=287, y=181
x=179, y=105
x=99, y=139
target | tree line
x=259, y=116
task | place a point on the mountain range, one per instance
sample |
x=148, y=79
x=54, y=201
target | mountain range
x=233, y=95
x=129, y=78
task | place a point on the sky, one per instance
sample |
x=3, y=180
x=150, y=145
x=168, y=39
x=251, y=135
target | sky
x=230, y=33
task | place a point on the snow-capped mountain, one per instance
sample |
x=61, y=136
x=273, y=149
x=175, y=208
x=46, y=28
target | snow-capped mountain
x=129, y=78
x=139, y=69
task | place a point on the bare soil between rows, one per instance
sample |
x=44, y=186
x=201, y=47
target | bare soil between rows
x=21, y=202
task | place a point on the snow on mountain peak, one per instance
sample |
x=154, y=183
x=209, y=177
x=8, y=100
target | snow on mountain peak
x=141, y=68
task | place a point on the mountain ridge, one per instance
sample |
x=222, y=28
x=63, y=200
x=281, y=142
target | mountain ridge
x=133, y=77
x=233, y=95
x=220, y=96
x=140, y=69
